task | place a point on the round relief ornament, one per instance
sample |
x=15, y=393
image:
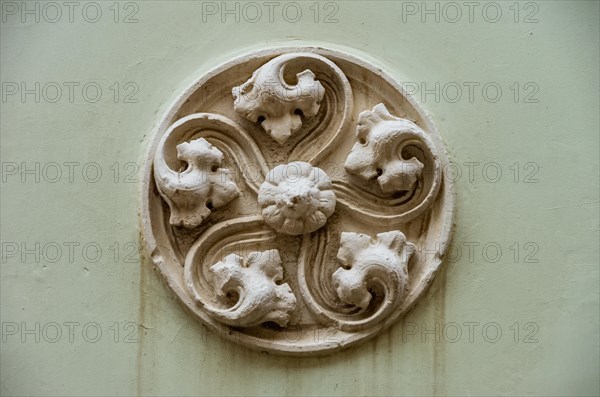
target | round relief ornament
x=295, y=200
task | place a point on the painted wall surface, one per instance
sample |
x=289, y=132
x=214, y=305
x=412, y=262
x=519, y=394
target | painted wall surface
x=516, y=309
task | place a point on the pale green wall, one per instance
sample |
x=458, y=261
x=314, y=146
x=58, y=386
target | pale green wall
x=168, y=47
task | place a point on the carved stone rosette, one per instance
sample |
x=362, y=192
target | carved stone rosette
x=296, y=200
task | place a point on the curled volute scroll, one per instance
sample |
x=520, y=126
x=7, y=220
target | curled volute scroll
x=200, y=185
x=300, y=97
x=278, y=105
x=382, y=151
x=255, y=284
x=275, y=204
x=394, y=162
x=370, y=266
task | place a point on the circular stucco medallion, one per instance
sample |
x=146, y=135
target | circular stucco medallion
x=295, y=200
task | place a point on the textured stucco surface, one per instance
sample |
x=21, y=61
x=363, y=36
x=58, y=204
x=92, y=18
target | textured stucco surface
x=170, y=46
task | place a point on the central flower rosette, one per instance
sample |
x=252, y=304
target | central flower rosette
x=296, y=198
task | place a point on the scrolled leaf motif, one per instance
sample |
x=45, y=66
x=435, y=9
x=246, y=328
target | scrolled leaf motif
x=203, y=184
x=378, y=152
x=295, y=89
x=267, y=98
x=384, y=168
x=200, y=187
x=372, y=262
x=369, y=285
x=238, y=291
x=255, y=284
